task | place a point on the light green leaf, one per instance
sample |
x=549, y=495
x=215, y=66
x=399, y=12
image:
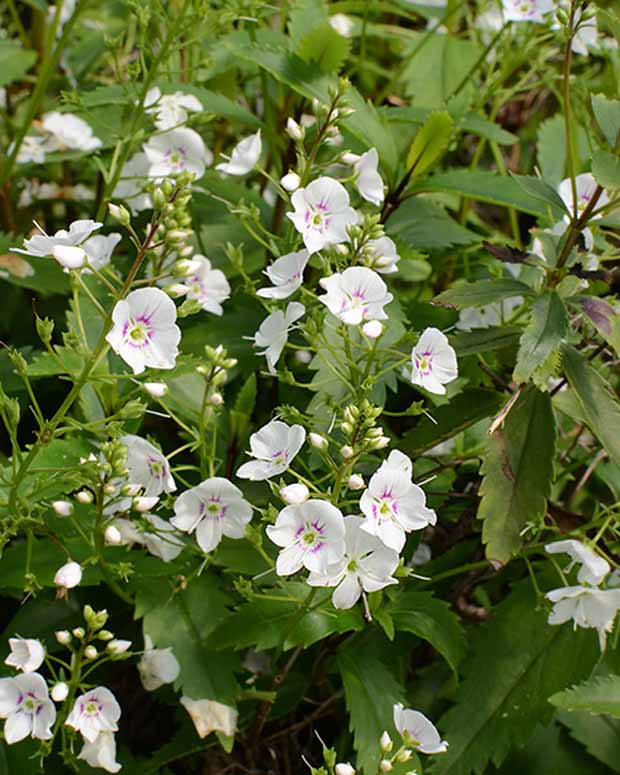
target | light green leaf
x=600, y=694
x=424, y=225
x=551, y=149
x=324, y=46
x=607, y=114
x=606, y=169
x=517, y=472
x=15, y=61
x=542, y=336
x=373, y=129
x=430, y=142
x=482, y=292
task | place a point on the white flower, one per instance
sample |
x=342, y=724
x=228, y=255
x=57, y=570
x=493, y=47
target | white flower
x=43, y=245
x=290, y=181
x=382, y=255
x=342, y=23
x=244, y=157
x=177, y=151
x=170, y=110
x=367, y=565
x=130, y=186
x=214, y=508
x=355, y=295
x=322, y=213
x=99, y=248
x=27, y=654
x=68, y=576
x=94, y=712
x=32, y=150
x=368, y=180
x=293, y=494
x=418, y=731
x=70, y=257
x=587, y=607
x=286, y=274
x=211, y=716
x=68, y=131
x=163, y=540
x=274, y=446
x=585, y=185
x=144, y=332
x=593, y=569
x=27, y=708
x=433, y=362
x=393, y=505
x=157, y=666
x=101, y=752
x=209, y=287
x=311, y=534
x=526, y=10
x=147, y=466
x=272, y=333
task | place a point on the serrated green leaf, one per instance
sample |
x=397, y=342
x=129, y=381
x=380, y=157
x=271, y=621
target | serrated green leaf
x=600, y=735
x=542, y=336
x=430, y=142
x=607, y=114
x=606, y=169
x=15, y=61
x=600, y=694
x=597, y=400
x=485, y=339
x=425, y=225
x=542, y=191
x=482, y=292
x=517, y=471
x=325, y=47
x=551, y=149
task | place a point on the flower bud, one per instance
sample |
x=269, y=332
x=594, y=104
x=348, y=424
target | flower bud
x=176, y=290
x=90, y=652
x=156, y=389
x=186, y=267
x=347, y=452
x=130, y=490
x=403, y=756
x=59, y=691
x=68, y=576
x=78, y=632
x=386, y=765
x=342, y=249
x=356, y=482
x=385, y=741
x=217, y=399
x=343, y=768
x=143, y=504
x=318, y=441
x=294, y=494
x=109, y=488
x=117, y=647
x=70, y=256
x=84, y=497
x=105, y=635
x=373, y=329
x=290, y=181
x=303, y=356
x=63, y=637
x=112, y=536
x=119, y=213
x=293, y=130
x=63, y=508
x=349, y=158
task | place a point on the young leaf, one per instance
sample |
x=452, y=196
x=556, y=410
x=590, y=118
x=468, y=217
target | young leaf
x=324, y=46
x=600, y=694
x=430, y=142
x=606, y=169
x=518, y=471
x=542, y=336
x=482, y=292
x=538, y=189
x=607, y=114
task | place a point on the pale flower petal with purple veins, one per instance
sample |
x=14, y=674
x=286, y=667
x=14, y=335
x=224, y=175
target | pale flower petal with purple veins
x=170, y=110
x=99, y=249
x=147, y=466
x=245, y=156
x=101, y=753
x=368, y=180
x=42, y=244
x=433, y=362
x=418, y=731
x=68, y=131
x=27, y=654
x=274, y=446
x=593, y=569
x=94, y=712
x=27, y=708
x=382, y=255
x=287, y=274
x=177, y=151
x=588, y=607
x=208, y=286
x=585, y=185
x=311, y=535
x=356, y=295
x=273, y=332
x=526, y=10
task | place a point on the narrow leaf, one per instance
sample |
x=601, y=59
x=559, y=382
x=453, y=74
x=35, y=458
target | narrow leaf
x=430, y=142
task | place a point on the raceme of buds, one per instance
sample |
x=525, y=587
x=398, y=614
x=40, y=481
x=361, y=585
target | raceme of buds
x=63, y=508
x=68, y=576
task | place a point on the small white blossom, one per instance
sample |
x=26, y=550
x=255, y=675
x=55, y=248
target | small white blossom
x=94, y=712
x=70, y=257
x=322, y=213
x=373, y=329
x=170, y=110
x=356, y=295
x=42, y=244
x=393, y=505
x=177, y=151
x=368, y=180
x=274, y=446
x=294, y=494
x=27, y=708
x=433, y=362
x=162, y=540
x=593, y=569
x=526, y=10
x=211, y=716
x=31, y=151
x=417, y=731
x=587, y=607
x=67, y=131
x=311, y=535
x=101, y=752
x=208, y=286
x=273, y=332
x=214, y=508
x=68, y=576
x=144, y=332
x=245, y=156
x=585, y=185
x=367, y=565
x=157, y=666
x=382, y=255
x=286, y=274
x=27, y=654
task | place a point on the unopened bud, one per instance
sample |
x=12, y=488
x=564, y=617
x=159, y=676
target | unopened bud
x=105, y=635
x=386, y=765
x=373, y=329
x=347, y=452
x=60, y=691
x=117, y=647
x=144, y=504
x=156, y=389
x=403, y=756
x=186, y=267
x=349, y=158
x=294, y=494
x=109, y=488
x=84, y=497
x=113, y=536
x=63, y=637
x=342, y=249
x=318, y=441
x=78, y=632
x=63, y=508
x=356, y=482
x=90, y=652
x=176, y=290
x=385, y=741
x=303, y=356
x=343, y=768
x=217, y=399
x=293, y=130
x=130, y=490
x=119, y=213
x=290, y=181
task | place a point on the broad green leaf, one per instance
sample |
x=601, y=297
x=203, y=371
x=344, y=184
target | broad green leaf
x=600, y=735
x=597, y=400
x=471, y=122
x=600, y=694
x=482, y=292
x=542, y=336
x=485, y=339
x=430, y=142
x=607, y=114
x=424, y=225
x=517, y=661
x=551, y=149
x=15, y=61
x=603, y=316
x=432, y=620
x=373, y=129
x=463, y=411
x=324, y=47
x=542, y=191
x=517, y=472
x=606, y=169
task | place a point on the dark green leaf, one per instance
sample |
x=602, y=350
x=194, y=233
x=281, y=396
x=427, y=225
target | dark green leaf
x=15, y=61
x=599, y=734
x=597, y=695
x=422, y=224
x=542, y=191
x=482, y=292
x=606, y=169
x=485, y=339
x=607, y=114
x=542, y=336
x=325, y=47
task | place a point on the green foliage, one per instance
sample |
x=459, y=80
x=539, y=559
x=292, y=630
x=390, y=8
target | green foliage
x=607, y=114
x=429, y=143
x=482, y=292
x=600, y=695
x=543, y=335
x=606, y=169
x=15, y=61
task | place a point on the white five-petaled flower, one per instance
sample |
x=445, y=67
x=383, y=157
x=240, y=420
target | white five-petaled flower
x=214, y=508
x=367, y=565
x=147, y=466
x=244, y=156
x=322, y=213
x=157, y=666
x=286, y=274
x=27, y=654
x=99, y=248
x=311, y=535
x=587, y=607
x=177, y=151
x=368, y=181
x=94, y=712
x=418, y=731
x=101, y=752
x=32, y=150
x=144, y=331
x=27, y=708
x=160, y=539
x=393, y=505
x=356, y=295
x=593, y=569
x=382, y=255
x=274, y=446
x=273, y=332
x=41, y=245
x=433, y=362
x=208, y=286
x=585, y=186
x=526, y=10
x=211, y=716
x=133, y=178
x=170, y=110
x=66, y=130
